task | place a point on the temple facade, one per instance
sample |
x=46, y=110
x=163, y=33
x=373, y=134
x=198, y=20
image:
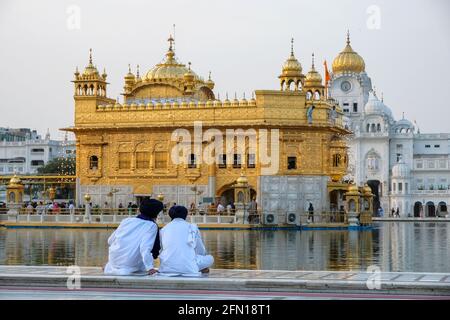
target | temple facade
x=173, y=136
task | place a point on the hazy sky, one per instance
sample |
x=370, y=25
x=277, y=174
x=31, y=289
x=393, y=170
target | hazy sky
x=243, y=43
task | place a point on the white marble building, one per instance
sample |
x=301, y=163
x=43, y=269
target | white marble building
x=23, y=150
x=406, y=169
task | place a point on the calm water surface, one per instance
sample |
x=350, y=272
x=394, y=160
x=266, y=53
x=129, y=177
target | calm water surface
x=393, y=246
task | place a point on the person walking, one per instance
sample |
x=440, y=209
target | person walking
x=311, y=212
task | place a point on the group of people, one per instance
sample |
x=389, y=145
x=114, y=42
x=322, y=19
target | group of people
x=137, y=243
x=395, y=213
x=48, y=208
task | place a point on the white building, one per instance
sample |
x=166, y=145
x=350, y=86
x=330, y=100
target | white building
x=406, y=169
x=23, y=151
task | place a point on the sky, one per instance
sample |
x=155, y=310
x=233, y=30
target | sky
x=405, y=45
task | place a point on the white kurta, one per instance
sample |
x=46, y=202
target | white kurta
x=182, y=249
x=130, y=247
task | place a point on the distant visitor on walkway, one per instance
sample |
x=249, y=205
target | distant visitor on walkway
x=182, y=248
x=135, y=243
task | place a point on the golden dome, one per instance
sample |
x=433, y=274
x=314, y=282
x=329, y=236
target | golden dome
x=242, y=179
x=90, y=68
x=209, y=82
x=170, y=68
x=129, y=75
x=353, y=190
x=291, y=67
x=348, y=60
x=15, y=180
x=313, y=78
x=367, y=190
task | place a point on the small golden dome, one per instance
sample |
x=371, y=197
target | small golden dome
x=367, y=190
x=242, y=179
x=353, y=190
x=291, y=67
x=129, y=76
x=189, y=75
x=313, y=78
x=15, y=180
x=209, y=83
x=348, y=60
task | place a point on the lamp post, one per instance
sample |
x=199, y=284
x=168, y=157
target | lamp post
x=87, y=211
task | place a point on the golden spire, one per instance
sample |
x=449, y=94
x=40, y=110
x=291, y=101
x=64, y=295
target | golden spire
x=90, y=56
x=171, y=41
x=348, y=37
x=292, y=47
x=312, y=66
x=137, y=71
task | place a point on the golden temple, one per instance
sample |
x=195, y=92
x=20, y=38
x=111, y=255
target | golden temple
x=129, y=146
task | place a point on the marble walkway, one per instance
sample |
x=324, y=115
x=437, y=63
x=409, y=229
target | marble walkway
x=50, y=282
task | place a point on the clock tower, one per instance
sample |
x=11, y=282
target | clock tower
x=350, y=85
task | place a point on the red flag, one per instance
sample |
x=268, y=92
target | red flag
x=327, y=74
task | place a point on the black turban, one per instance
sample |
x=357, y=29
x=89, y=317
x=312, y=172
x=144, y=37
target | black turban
x=150, y=208
x=178, y=212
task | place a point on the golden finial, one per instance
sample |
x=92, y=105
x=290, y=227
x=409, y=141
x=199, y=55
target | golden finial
x=174, y=37
x=189, y=66
x=244, y=95
x=90, y=56
x=348, y=36
x=313, y=60
x=171, y=40
x=129, y=68
x=137, y=71
x=209, y=77
x=292, y=46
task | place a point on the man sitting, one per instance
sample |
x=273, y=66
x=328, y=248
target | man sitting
x=135, y=243
x=183, y=251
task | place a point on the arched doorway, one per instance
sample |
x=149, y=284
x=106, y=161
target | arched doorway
x=442, y=208
x=430, y=209
x=418, y=209
x=227, y=196
x=375, y=187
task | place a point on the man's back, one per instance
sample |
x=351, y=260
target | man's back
x=180, y=242
x=130, y=246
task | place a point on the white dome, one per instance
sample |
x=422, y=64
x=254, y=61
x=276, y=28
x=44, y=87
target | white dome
x=376, y=106
x=400, y=170
x=404, y=123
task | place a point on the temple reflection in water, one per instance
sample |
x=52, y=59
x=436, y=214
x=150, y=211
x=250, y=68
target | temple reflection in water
x=393, y=246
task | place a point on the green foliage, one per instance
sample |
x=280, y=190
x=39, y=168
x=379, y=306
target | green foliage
x=59, y=166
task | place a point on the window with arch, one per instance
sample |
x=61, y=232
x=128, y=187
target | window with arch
x=309, y=95
x=368, y=127
x=336, y=160
x=378, y=127
x=142, y=160
x=317, y=95
x=124, y=160
x=373, y=161
x=160, y=160
x=93, y=162
x=192, y=161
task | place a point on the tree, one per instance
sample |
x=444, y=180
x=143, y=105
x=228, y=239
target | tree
x=59, y=166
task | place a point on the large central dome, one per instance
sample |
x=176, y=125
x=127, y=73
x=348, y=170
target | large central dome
x=348, y=60
x=170, y=68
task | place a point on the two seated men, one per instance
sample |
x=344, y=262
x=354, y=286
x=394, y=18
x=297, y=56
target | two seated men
x=137, y=242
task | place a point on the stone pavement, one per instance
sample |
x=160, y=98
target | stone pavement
x=36, y=282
